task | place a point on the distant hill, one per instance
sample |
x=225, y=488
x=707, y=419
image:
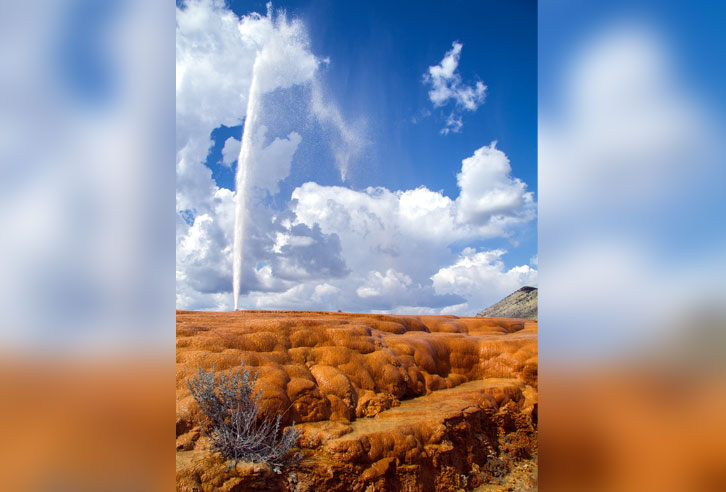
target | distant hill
x=519, y=304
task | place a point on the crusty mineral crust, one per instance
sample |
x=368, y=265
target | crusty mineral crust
x=386, y=402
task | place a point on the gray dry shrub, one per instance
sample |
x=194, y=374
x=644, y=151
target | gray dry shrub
x=233, y=409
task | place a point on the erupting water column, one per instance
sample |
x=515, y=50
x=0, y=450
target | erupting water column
x=284, y=60
x=243, y=165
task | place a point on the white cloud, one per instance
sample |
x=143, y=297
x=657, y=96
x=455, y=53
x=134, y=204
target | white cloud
x=454, y=123
x=230, y=152
x=481, y=278
x=446, y=85
x=301, y=296
x=204, y=248
x=488, y=190
x=490, y=202
x=390, y=283
x=273, y=161
x=395, y=241
x=284, y=239
x=376, y=248
x=324, y=292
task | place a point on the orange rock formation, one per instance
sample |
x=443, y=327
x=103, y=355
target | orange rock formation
x=385, y=402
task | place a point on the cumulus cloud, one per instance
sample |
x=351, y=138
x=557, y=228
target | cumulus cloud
x=230, y=152
x=490, y=201
x=446, y=85
x=305, y=253
x=488, y=190
x=302, y=296
x=204, y=256
x=395, y=241
x=390, y=283
x=272, y=161
x=377, y=249
x=481, y=278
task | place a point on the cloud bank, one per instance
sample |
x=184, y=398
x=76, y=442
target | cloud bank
x=366, y=250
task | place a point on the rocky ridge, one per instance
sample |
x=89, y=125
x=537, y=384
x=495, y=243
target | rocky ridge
x=521, y=303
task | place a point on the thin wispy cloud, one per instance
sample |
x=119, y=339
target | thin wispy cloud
x=447, y=87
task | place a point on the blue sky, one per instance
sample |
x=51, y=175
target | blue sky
x=375, y=56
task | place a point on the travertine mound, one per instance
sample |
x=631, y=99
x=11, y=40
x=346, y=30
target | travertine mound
x=521, y=303
x=389, y=402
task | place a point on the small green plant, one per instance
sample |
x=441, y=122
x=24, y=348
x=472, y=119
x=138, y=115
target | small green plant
x=237, y=432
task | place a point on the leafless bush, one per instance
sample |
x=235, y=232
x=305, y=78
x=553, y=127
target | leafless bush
x=236, y=431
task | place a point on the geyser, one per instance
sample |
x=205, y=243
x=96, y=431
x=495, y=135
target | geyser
x=243, y=163
x=283, y=60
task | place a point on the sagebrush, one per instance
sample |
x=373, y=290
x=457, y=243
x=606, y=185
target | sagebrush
x=238, y=429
